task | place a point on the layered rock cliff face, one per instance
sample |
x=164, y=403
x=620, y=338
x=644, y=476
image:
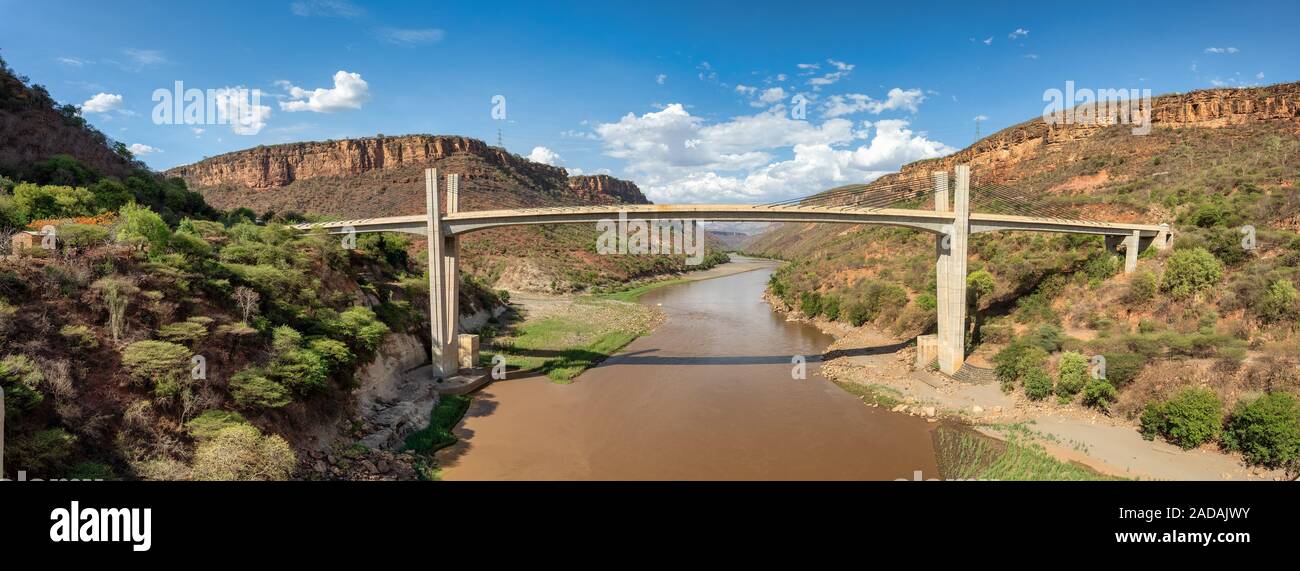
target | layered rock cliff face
x=996, y=155
x=269, y=167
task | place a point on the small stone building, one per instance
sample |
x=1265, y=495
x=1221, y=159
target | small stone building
x=24, y=240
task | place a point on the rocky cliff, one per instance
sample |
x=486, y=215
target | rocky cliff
x=268, y=167
x=998, y=154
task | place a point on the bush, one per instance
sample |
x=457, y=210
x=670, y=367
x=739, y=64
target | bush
x=1038, y=384
x=79, y=336
x=335, y=353
x=362, y=326
x=302, y=370
x=1122, y=368
x=1279, y=303
x=1072, y=374
x=161, y=364
x=82, y=235
x=831, y=307
x=21, y=381
x=858, y=314
x=190, y=332
x=1099, y=393
x=44, y=453
x=140, y=226
x=1266, y=430
x=810, y=304
x=1189, y=272
x=252, y=389
x=241, y=452
x=1017, y=360
x=1141, y=288
x=1189, y=419
x=208, y=424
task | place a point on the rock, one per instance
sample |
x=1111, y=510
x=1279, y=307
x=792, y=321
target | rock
x=898, y=408
x=997, y=410
x=977, y=409
x=369, y=466
x=320, y=467
x=382, y=466
x=928, y=411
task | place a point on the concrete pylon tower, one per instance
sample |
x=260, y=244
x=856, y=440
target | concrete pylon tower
x=442, y=278
x=950, y=270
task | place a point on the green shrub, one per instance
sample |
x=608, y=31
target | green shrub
x=810, y=304
x=189, y=332
x=1189, y=272
x=1189, y=419
x=140, y=226
x=82, y=235
x=927, y=301
x=252, y=389
x=1141, y=288
x=1266, y=430
x=830, y=307
x=1072, y=374
x=162, y=365
x=21, y=381
x=1122, y=368
x=302, y=370
x=335, y=353
x=1017, y=360
x=44, y=453
x=79, y=336
x=241, y=452
x=858, y=313
x=362, y=327
x=1280, y=303
x=1099, y=393
x=1038, y=384
x=91, y=471
x=208, y=424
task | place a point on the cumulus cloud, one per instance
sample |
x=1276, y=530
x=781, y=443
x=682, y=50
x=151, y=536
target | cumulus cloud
x=661, y=78
x=142, y=149
x=681, y=158
x=896, y=99
x=236, y=108
x=545, y=156
x=349, y=92
x=102, y=103
x=842, y=70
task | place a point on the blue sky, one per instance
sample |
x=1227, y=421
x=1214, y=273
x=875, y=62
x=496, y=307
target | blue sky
x=692, y=100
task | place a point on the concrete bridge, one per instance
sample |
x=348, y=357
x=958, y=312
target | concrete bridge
x=951, y=221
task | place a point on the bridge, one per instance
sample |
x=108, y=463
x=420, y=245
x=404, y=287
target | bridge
x=950, y=221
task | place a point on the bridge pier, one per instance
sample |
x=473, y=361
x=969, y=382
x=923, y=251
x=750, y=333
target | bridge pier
x=950, y=269
x=444, y=290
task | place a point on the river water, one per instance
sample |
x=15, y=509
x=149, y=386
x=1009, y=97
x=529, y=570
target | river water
x=708, y=395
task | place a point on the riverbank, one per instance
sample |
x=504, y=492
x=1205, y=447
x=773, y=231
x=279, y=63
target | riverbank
x=1111, y=446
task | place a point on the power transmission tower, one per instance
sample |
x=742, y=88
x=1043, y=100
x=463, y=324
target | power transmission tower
x=499, y=141
x=977, y=127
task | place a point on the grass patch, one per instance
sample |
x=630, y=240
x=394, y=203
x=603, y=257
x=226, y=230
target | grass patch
x=873, y=393
x=438, y=435
x=632, y=294
x=965, y=454
x=562, y=347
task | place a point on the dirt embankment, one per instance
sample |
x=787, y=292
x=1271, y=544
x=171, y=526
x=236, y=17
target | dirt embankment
x=1108, y=444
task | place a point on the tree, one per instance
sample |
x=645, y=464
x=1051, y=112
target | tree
x=1266, y=430
x=252, y=389
x=1038, y=384
x=247, y=299
x=116, y=293
x=141, y=227
x=1099, y=393
x=1141, y=288
x=36, y=202
x=1189, y=272
x=162, y=364
x=21, y=381
x=979, y=284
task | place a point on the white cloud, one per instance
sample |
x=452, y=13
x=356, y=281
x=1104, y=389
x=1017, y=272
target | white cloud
x=772, y=95
x=746, y=90
x=661, y=78
x=141, y=59
x=197, y=131
x=71, y=61
x=1227, y=50
x=981, y=117
x=848, y=104
x=326, y=8
x=411, y=36
x=988, y=41
x=842, y=70
x=678, y=157
x=236, y=108
x=142, y=149
x=1259, y=75
x=545, y=156
x=1018, y=33
x=102, y=103
x=1031, y=56
x=349, y=92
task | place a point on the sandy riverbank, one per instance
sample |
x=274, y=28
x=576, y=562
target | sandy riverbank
x=1109, y=445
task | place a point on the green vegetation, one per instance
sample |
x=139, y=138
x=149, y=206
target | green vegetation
x=1072, y=375
x=1189, y=272
x=241, y=452
x=873, y=393
x=964, y=454
x=1266, y=431
x=1189, y=419
x=439, y=434
x=21, y=382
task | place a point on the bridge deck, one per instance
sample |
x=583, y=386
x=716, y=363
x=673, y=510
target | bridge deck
x=927, y=220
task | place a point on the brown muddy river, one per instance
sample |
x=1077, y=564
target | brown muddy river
x=708, y=395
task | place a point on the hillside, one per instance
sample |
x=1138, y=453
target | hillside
x=384, y=176
x=1216, y=161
